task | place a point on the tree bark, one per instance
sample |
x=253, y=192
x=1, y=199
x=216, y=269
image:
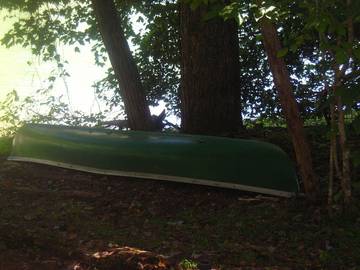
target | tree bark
x=346, y=175
x=210, y=82
x=125, y=69
x=345, y=152
x=289, y=106
x=346, y=172
x=333, y=163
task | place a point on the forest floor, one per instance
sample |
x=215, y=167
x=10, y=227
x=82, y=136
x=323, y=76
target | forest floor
x=52, y=218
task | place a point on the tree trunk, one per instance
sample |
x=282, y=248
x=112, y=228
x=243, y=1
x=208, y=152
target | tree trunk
x=346, y=176
x=210, y=82
x=289, y=106
x=125, y=69
x=345, y=152
x=333, y=163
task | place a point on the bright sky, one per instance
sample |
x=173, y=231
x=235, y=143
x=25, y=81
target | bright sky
x=16, y=73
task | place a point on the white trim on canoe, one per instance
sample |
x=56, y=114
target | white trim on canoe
x=156, y=177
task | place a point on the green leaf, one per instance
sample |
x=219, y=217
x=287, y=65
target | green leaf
x=51, y=49
x=269, y=9
x=52, y=79
x=240, y=19
x=281, y=53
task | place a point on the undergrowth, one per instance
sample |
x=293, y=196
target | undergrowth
x=5, y=146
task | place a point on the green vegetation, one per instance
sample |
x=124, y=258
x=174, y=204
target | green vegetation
x=294, y=62
x=188, y=265
x=308, y=55
x=5, y=146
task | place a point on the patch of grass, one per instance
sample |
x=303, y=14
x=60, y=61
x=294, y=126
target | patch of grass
x=188, y=265
x=5, y=146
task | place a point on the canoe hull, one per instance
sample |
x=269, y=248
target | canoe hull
x=230, y=163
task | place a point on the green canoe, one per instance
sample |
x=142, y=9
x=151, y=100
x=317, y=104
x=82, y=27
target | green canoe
x=214, y=161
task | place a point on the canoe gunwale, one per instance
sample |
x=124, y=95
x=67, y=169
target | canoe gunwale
x=152, y=176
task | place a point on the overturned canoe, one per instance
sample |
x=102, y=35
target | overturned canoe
x=215, y=161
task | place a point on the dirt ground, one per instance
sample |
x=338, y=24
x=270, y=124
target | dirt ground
x=52, y=218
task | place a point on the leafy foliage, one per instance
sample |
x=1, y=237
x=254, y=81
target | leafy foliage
x=42, y=108
x=307, y=30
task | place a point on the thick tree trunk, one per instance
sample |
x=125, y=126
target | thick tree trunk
x=125, y=69
x=291, y=112
x=210, y=82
